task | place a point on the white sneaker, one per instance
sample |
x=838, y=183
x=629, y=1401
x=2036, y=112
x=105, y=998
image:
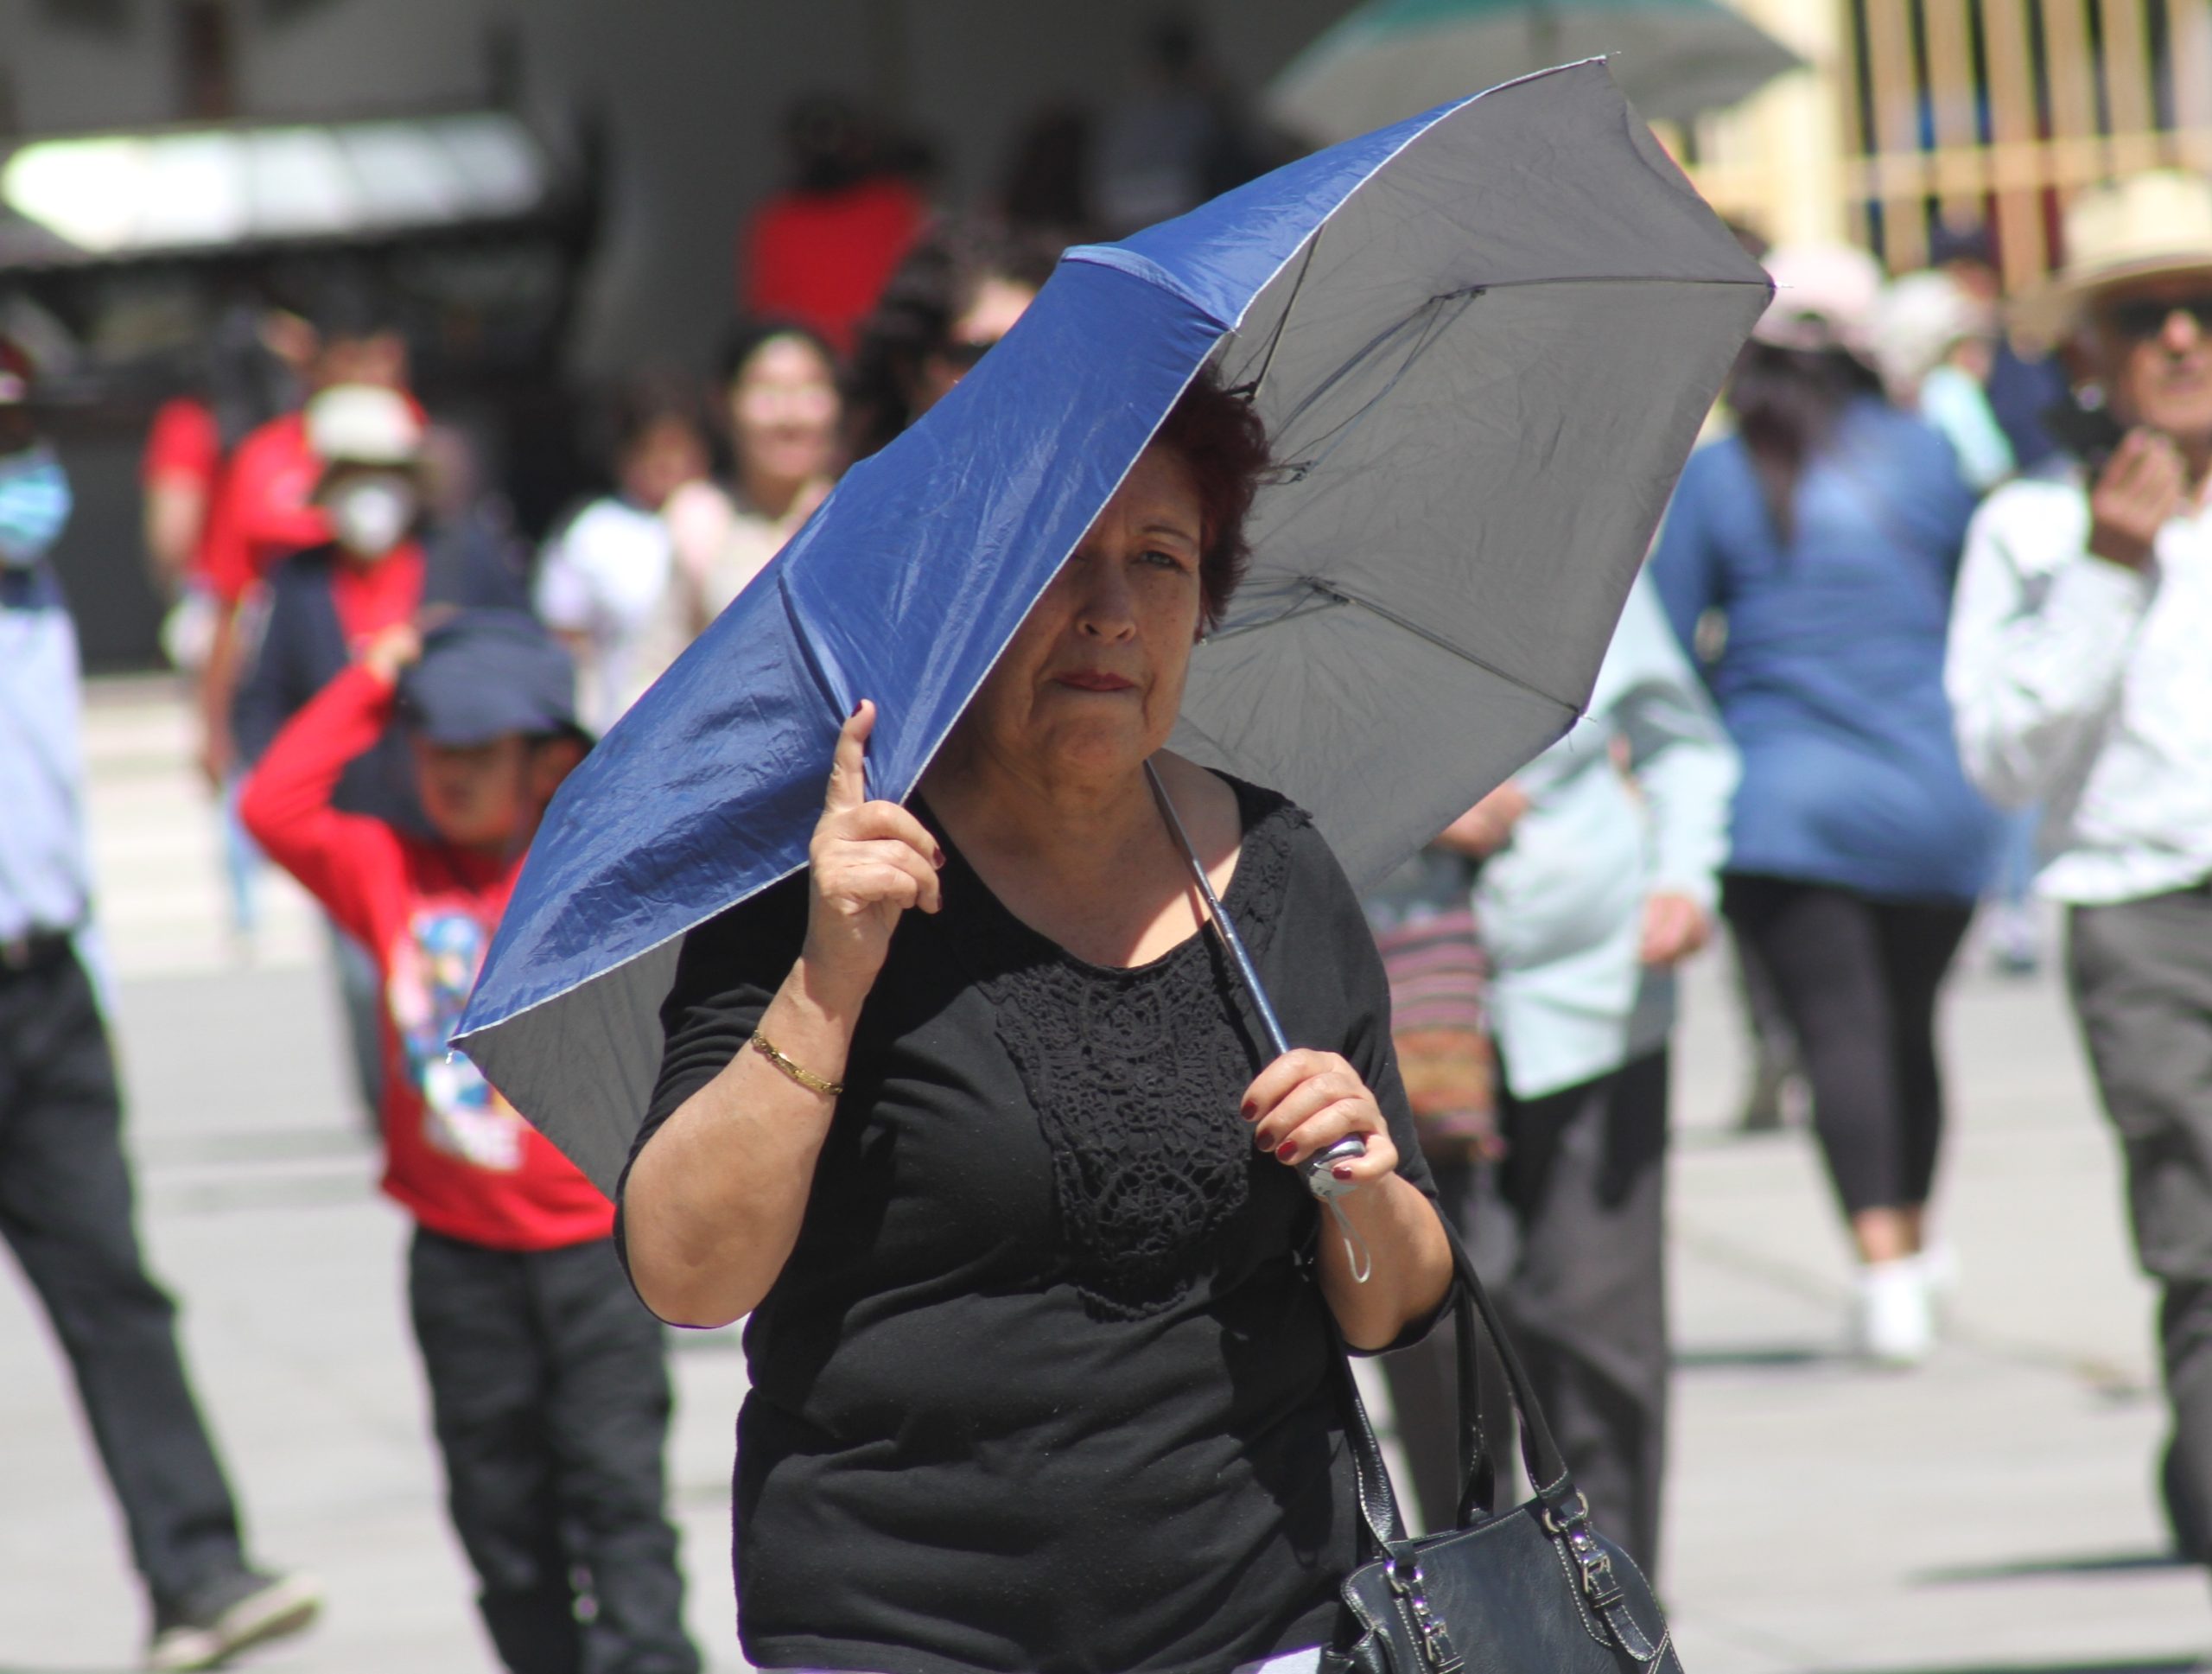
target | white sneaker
x=1895, y=1312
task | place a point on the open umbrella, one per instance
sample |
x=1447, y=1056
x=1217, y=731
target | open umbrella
x=1481, y=341
x=1391, y=58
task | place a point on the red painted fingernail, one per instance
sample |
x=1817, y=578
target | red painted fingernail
x=1247, y=1109
x=1342, y=1171
x=937, y=855
x=856, y=709
x=1286, y=1150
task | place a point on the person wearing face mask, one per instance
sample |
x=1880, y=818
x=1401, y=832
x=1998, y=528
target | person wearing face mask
x=324, y=603
x=65, y=1188
x=2079, y=679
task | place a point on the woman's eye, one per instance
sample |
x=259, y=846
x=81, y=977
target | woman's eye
x=1153, y=555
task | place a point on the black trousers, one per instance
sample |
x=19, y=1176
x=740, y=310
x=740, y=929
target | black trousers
x=67, y=1210
x=2141, y=977
x=1857, y=978
x=550, y=1395
x=1568, y=1233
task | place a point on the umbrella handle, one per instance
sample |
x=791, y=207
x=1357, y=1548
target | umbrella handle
x=1321, y=1178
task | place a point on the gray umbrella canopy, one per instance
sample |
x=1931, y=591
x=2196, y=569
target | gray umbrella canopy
x=1480, y=379
x=1390, y=58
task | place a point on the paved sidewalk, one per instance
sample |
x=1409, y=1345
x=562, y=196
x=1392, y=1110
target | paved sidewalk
x=1990, y=1514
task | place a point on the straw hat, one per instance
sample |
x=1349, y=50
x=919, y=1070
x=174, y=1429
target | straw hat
x=2143, y=227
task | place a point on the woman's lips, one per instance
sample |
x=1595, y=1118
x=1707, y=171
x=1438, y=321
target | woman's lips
x=1095, y=680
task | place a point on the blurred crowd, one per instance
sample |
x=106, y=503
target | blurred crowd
x=1941, y=558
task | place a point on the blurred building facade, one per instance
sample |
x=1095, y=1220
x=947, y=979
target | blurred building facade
x=1920, y=116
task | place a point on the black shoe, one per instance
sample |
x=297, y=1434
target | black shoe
x=216, y=1622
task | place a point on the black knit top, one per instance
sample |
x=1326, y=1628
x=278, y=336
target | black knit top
x=1047, y=1383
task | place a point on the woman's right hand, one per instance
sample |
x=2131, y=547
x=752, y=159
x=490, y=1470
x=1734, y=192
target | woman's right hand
x=870, y=862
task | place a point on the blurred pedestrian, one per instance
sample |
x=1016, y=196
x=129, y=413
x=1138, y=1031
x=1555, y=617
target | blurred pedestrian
x=255, y=356
x=1828, y=532
x=1604, y=883
x=820, y=249
x=549, y=1392
x=2079, y=668
x=1423, y=918
x=265, y=507
x=604, y=582
x=779, y=383
x=1934, y=345
x=326, y=603
x=65, y=1190
x=959, y=291
x=2023, y=381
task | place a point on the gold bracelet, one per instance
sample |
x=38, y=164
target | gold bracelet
x=805, y=1077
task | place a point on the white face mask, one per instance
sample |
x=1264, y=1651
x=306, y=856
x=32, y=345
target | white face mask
x=370, y=515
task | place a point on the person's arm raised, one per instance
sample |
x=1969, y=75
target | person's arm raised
x=714, y=1200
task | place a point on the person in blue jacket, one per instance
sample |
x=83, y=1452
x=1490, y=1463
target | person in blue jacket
x=1824, y=535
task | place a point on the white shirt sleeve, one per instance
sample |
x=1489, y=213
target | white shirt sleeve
x=2041, y=633
x=562, y=592
x=1679, y=752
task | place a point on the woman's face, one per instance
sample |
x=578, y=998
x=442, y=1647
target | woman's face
x=1093, y=678
x=782, y=412
x=998, y=303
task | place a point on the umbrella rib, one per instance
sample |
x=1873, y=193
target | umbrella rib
x=1329, y=590
x=1432, y=320
x=1250, y=387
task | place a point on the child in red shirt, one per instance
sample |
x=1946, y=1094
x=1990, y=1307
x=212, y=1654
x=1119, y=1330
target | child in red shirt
x=548, y=1387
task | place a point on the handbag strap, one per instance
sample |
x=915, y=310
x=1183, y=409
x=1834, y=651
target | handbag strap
x=1481, y=1333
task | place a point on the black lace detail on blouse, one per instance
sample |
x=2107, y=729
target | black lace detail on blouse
x=1135, y=1077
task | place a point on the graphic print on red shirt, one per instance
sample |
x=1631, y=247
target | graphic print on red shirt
x=458, y=1156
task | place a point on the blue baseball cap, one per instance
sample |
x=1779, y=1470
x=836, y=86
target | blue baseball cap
x=487, y=674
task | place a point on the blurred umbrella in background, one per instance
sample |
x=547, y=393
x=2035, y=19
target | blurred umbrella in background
x=1392, y=58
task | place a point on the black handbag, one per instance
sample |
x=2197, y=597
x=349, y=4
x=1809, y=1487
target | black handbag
x=1535, y=1590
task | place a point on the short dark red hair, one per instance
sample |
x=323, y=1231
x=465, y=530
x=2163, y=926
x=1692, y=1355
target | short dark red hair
x=1223, y=444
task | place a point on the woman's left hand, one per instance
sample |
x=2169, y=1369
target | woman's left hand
x=1307, y=1101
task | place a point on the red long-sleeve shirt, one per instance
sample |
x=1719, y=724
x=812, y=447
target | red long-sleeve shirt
x=457, y=1156
x=264, y=508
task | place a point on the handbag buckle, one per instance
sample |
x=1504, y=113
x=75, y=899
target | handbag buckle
x=1571, y=1523
x=1412, y=1588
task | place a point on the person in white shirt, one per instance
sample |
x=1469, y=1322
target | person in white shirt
x=606, y=574
x=2080, y=671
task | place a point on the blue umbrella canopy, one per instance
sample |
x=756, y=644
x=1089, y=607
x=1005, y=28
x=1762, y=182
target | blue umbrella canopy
x=1481, y=341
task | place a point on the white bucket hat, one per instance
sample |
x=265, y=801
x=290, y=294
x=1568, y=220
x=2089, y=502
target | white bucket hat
x=1824, y=295
x=2145, y=226
x=364, y=424
x=1920, y=317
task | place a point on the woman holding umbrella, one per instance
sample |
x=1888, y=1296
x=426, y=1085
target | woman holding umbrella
x=1044, y=1336
x=1039, y=1378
